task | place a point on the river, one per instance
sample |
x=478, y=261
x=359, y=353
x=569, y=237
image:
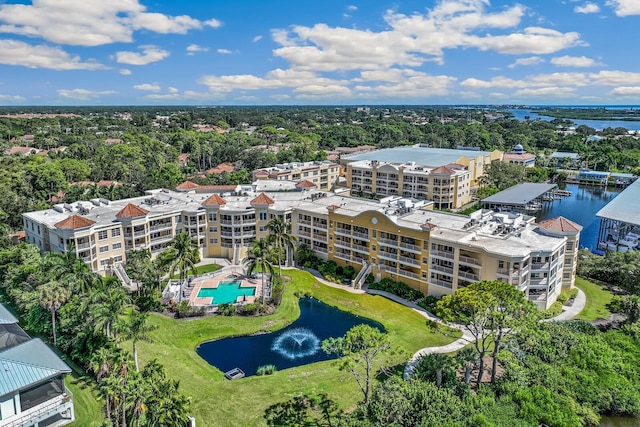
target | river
x=520, y=113
x=581, y=207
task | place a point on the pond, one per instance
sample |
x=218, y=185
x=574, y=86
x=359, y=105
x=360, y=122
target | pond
x=297, y=344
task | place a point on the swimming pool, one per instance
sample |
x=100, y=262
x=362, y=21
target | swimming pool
x=226, y=292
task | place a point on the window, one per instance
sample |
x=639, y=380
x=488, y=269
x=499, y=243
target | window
x=566, y=276
x=116, y=246
x=263, y=215
x=375, y=234
x=178, y=219
x=118, y=258
x=213, y=216
x=104, y=249
x=213, y=241
x=102, y=235
x=424, y=274
x=567, y=261
x=569, y=246
x=115, y=232
x=262, y=228
x=373, y=247
x=213, y=229
x=104, y=262
x=425, y=260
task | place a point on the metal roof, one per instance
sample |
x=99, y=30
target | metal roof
x=563, y=154
x=421, y=155
x=28, y=363
x=625, y=207
x=520, y=194
x=11, y=335
x=6, y=316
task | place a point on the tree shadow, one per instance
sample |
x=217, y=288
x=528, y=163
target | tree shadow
x=303, y=410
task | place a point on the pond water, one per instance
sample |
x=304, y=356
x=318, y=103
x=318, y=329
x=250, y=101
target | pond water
x=297, y=344
x=581, y=207
x=612, y=421
x=520, y=113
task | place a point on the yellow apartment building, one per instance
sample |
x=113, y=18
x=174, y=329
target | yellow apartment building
x=323, y=174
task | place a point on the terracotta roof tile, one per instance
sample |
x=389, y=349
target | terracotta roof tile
x=333, y=207
x=187, y=185
x=214, y=200
x=305, y=184
x=560, y=224
x=262, y=200
x=443, y=170
x=73, y=222
x=428, y=225
x=131, y=211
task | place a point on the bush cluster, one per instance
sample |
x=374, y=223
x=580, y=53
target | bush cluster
x=400, y=289
x=266, y=370
x=428, y=303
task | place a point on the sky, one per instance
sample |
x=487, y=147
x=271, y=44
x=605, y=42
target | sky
x=329, y=52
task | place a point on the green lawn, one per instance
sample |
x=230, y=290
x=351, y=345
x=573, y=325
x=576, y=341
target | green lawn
x=88, y=409
x=597, y=298
x=201, y=269
x=219, y=402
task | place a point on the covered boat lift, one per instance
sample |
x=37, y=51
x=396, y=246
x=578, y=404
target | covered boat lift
x=527, y=197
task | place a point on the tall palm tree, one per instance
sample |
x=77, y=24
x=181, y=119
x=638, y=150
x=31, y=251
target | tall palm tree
x=183, y=250
x=106, y=307
x=467, y=358
x=280, y=238
x=71, y=270
x=136, y=328
x=51, y=296
x=260, y=257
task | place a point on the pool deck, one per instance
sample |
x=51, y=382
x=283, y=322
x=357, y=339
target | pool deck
x=223, y=275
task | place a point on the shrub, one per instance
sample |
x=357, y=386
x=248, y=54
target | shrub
x=266, y=370
x=277, y=289
x=227, y=309
x=400, y=289
x=428, y=303
x=185, y=310
x=553, y=311
x=248, y=309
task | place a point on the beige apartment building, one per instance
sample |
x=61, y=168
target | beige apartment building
x=323, y=174
x=397, y=237
x=449, y=187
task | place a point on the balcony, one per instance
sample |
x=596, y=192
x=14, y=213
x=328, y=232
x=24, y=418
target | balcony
x=409, y=261
x=342, y=244
x=81, y=246
x=388, y=268
x=60, y=405
x=163, y=238
x=462, y=259
x=341, y=255
x=540, y=266
x=343, y=231
x=388, y=242
x=441, y=283
x=304, y=233
x=161, y=226
x=304, y=222
x=411, y=247
x=469, y=276
x=320, y=226
x=361, y=248
x=226, y=221
x=543, y=281
x=361, y=236
x=440, y=254
x=409, y=274
x=441, y=269
x=320, y=249
x=388, y=256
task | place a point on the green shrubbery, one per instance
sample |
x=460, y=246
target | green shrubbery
x=400, y=289
x=428, y=303
x=227, y=309
x=553, y=311
x=567, y=295
x=266, y=370
x=247, y=309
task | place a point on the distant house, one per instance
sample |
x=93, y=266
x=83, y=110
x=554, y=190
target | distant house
x=24, y=151
x=111, y=141
x=183, y=159
x=565, y=158
x=32, y=390
x=519, y=156
x=221, y=168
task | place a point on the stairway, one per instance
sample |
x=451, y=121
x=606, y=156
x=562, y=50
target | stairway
x=236, y=254
x=122, y=275
x=362, y=275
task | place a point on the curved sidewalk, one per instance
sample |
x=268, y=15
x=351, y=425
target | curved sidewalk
x=568, y=313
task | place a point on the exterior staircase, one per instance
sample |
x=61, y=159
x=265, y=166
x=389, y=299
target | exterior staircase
x=122, y=275
x=362, y=275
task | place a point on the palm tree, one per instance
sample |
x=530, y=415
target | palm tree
x=260, y=257
x=106, y=307
x=136, y=328
x=101, y=364
x=280, y=237
x=183, y=251
x=68, y=268
x=467, y=359
x=51, y=297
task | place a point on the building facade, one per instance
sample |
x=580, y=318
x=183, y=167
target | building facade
x=32, y=389
x=449, y=187
x=323, y=174
x=397, y=237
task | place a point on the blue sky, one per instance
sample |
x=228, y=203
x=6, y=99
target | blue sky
x=213, y=52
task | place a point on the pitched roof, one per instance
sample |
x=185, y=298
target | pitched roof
x=5, y=316
x=187, y=185
x=131, y=211
x=11, y=335
x=305, y=184
x=222, y=167
x=560, y=224
x=262, y=200
x=428, y=225
x=28, y=363
x=333, y=207
x=73, y=222
x=443, y=170
x=261, y=172
x=214, y=200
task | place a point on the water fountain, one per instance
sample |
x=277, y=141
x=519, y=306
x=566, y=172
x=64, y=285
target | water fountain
x=296, y=343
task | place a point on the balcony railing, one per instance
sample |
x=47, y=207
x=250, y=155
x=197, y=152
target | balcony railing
x=343, y=256
x=303, y=221
x=447, y=255
x=161, y=226
x=361, y=248
x=441, y=269
x=409, y=274
x=540, y=266
x=342, y=244
x=469, y=260
x=388, y=242
x=57, y=405
x=343, y=231
x=361, y=236
x=469, y=276
x=410, y=261
x=441, y=283
x=84, y=246
x=304, y=233
x=410, y=247
x=387, y=256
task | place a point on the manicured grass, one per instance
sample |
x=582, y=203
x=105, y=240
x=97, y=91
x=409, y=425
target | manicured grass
x=597, y=298
x=201, y=269
x=87, y=407
x=219, y=402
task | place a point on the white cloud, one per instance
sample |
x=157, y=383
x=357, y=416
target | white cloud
x=546, y=92
x=498, y=95
x=125, y=71
x=149, y=54
x=151, y=87
x=352, y=8
x=13, y=52
x=625, y=7
x=532, y=60
x=633, y=91
x=91, y=22
x=257, y=39
x=275, y=79
x=588, y=7
x=173, y=89
x=12, y=98
x=193, y=48
x=574, y=61
x=83, y=94
x=615, y=78
x=224, y=51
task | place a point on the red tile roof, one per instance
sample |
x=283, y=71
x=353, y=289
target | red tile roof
x=261, y=172
x=428, y=225
x=305, y=184
x=560, y=224
x=262, y=200
x=131, y=211
x=217, y=188
x=222, y=167
x=73, y=222
x=187, y=185
x=214, y=200
x=442, y=170
x=333, y=207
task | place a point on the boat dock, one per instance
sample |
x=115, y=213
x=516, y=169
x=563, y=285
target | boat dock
x=527, y=198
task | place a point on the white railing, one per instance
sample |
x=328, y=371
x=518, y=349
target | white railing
x=441, y=269
x=410, y=247
x=409, y=274
x=40, y=412
x=410, y=261
x=469, y=276
x=469, y=260
x=387, y=256
x=441, y=283
x=388, y=242
x=361, y=236
x=448, y=255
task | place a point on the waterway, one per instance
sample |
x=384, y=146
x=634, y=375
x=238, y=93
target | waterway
x=521, y=113
x=581, y=207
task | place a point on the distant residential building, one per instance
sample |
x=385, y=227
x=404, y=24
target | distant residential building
x=473, y=160
x=323, y=174
x=449, y=187
x=519, y=156
x=221, y=168
x=565, y=158
x=23, y=151
x=32, y=390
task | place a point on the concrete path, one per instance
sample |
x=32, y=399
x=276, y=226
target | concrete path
x=569, y=312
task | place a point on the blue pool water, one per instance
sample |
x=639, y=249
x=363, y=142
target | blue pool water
x=226, y=292
x=297, y=344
